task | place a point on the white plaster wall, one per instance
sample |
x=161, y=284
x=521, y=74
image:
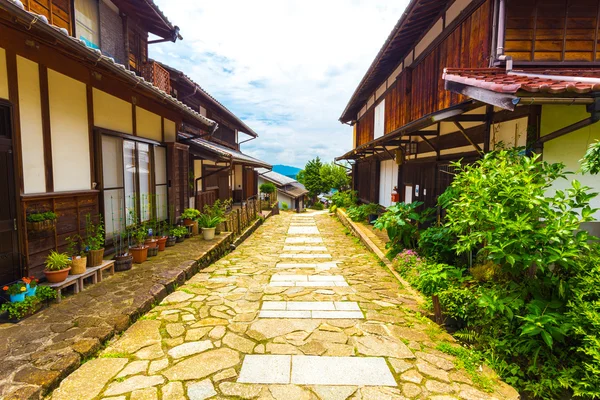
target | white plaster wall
x=455, y=9
x=32, y=141
x=112, y=113
x=282, y=198
x=509, y=133
x=388, y=179
x=429, y=37
x=148, y=124
x=238, y=177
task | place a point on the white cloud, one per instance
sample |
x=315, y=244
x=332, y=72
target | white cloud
x=286, y=67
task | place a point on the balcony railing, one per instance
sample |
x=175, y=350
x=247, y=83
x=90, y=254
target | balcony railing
x=157, y=75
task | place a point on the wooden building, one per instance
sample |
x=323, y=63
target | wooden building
x=219, y=168
x=289, y=191
x=80, y=131
x=457, y=78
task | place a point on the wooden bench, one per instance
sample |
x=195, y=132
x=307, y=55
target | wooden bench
x=77, y=281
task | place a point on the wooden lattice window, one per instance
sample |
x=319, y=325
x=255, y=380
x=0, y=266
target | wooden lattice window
x=58, y=12
x=160, y=77
x=138, y=48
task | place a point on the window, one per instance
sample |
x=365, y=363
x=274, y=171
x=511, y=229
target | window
x=87, y=23
x=379, y=129
x=134, y=182
x=58, y=12
x=138, y=49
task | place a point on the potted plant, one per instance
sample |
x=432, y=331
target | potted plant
x=218, y=209
x=123, y=259
x=76, y=249
x=179, y=233
x=37, y=222
x=57, y=267
x=151, y=241
x=140, y=251
x=31, y=285
x=208, y=224
x=161, y=238
x=94, y=240
x=190, y=217
x=171, y=238
x=16, y=291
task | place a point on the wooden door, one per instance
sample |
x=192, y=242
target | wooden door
x=9, y=240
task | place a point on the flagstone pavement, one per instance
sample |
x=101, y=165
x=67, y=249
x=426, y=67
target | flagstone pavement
x=300, y=310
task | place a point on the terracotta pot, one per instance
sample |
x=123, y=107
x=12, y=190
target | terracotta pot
x=188, y=221
x=151, y=243
x=78, y=265
x=171, y=240
x=152, y=251
x=95, y=257
x=195, y=228
x=162, y=242
x=57, y=276
x=208, y=233
x=140, y=254
x=123, y=263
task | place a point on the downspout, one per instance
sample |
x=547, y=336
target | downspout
x=501, y=27
x=494, y=56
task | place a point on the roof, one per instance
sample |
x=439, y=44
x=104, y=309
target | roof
x=546, y=81
x=152, y=17
x=275, y=177
x=415, y=21
x=294, y=190
x=207, y=96
x=224, y=153
x=95, y=56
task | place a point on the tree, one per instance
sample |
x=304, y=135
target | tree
x=300, y=176
x=312, y=178
x=267, y=188
x=334, y=176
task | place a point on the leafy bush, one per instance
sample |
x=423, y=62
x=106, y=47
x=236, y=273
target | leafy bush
x=344, y=199
x=318, y=206
x=437, y=243
x=361, y=212
x=401, y=222
x=284, y=206
x=267, y=187
x=591, y=160
x=39, y=217
x=94, y=233
x=190, y=213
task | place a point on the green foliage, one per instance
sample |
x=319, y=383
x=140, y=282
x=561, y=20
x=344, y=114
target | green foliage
x=471, y=361
x=334, y=177
x=45, y=293
x=30, y=305
x=57, y=261
x=15, y=288
x=190, y=213
x=219, y=208
x=94, y=233
x=300, y=176
x=437, y=243
x=284, y=206
x=179, y=231
x=333, y=208
x=344, y=199
x=591, y=160
x=209, y=221
x=401, y=222
x=317, y=206
x=312, y=178
x=267, y=188
x=361, y=212
x=76, y=246
x=139, y=233
x=39, y=217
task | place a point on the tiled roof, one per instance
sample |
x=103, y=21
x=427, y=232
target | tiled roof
x=275, y=177
x=547, y=81
x=225, y=152
x=16, y=7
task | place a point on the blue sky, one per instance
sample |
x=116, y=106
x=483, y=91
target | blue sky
x=286, y=67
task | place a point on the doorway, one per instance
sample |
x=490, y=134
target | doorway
x=9, y=238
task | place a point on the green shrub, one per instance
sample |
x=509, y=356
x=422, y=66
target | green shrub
x=318, y=206
x=344, y=199
x=284, y=206
x=401, y=222
x=267, y=188
x=357, y=213
x=437, y=243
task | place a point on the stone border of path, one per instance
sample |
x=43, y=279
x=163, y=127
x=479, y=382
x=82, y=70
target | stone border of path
x=368, y=243
x=21, y=376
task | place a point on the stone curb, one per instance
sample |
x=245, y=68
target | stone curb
x=357, y=231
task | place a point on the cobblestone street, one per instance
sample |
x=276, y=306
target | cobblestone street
x=300, y=310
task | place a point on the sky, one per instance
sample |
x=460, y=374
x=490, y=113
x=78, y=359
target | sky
x=287, y=68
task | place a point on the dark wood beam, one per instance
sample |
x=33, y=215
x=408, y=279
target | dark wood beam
x=489, y=116
x=462, y=130
x=505, y=101
x=46, y=129
x=430, y=144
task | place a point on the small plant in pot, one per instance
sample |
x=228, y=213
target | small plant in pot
x=94, y=233
x=171, y=238
x=38, y=222
x=151, y=241
x=58, y=266
x=179, y=233
x=208, y=224
x=140, y=250
x=190, y=217
x=16, y=291
x=218, y=209
x=32, y=284
x=161, y=238
x=123, y=259
x=76, y=249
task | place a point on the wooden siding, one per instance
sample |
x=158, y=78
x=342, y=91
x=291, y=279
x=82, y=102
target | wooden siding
x=419, y=90
x=552, y=30
x=58, y=12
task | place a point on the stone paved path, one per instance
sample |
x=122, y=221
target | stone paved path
x=272, y=321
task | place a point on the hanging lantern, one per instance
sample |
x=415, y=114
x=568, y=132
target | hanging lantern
x=412, y=148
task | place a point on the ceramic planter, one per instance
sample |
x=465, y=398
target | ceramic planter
x=123, y=263
x=208, y=233
x=17, y=298
x=140, y=254
x=152, y=251
x=57, y=276
x=78, y=265
x=180, y=239
x=162, y=242
x=31, y=291
x=95, y=257
x=171, y=240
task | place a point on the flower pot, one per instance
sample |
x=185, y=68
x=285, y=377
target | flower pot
x=151, y=243
x=208, y=233
x=31, y=291
x=195, y=228
x=140, y=254
x=188, y=221
x=78, y=265
x=152, y=251
x=95, y=257
x=41, y=225
x=372, y=217
x=57, y=276
x=220, y=228
x=180, y=239
x=17, y=298
x=162, y=242
x=171, y=240
x=123, y=263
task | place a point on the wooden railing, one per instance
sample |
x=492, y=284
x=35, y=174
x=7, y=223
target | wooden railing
x=207, y=198
x=157, y=75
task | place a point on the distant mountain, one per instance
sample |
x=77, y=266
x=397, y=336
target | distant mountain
x=286, y=170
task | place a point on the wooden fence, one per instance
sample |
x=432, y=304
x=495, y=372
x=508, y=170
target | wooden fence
x=238, y=219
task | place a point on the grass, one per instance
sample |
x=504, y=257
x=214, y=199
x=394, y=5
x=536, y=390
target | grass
x=469, y=360
x=115, y=355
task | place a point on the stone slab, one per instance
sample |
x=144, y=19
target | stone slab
x=304, y=248
x=355, y=371
x=300, y=239
x=303, y=230
x=266, y=369
x=304, y=255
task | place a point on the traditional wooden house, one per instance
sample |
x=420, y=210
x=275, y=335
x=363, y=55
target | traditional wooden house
x=457, y=78
x=289, y=191
x=81, y=132
x=219, y=168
